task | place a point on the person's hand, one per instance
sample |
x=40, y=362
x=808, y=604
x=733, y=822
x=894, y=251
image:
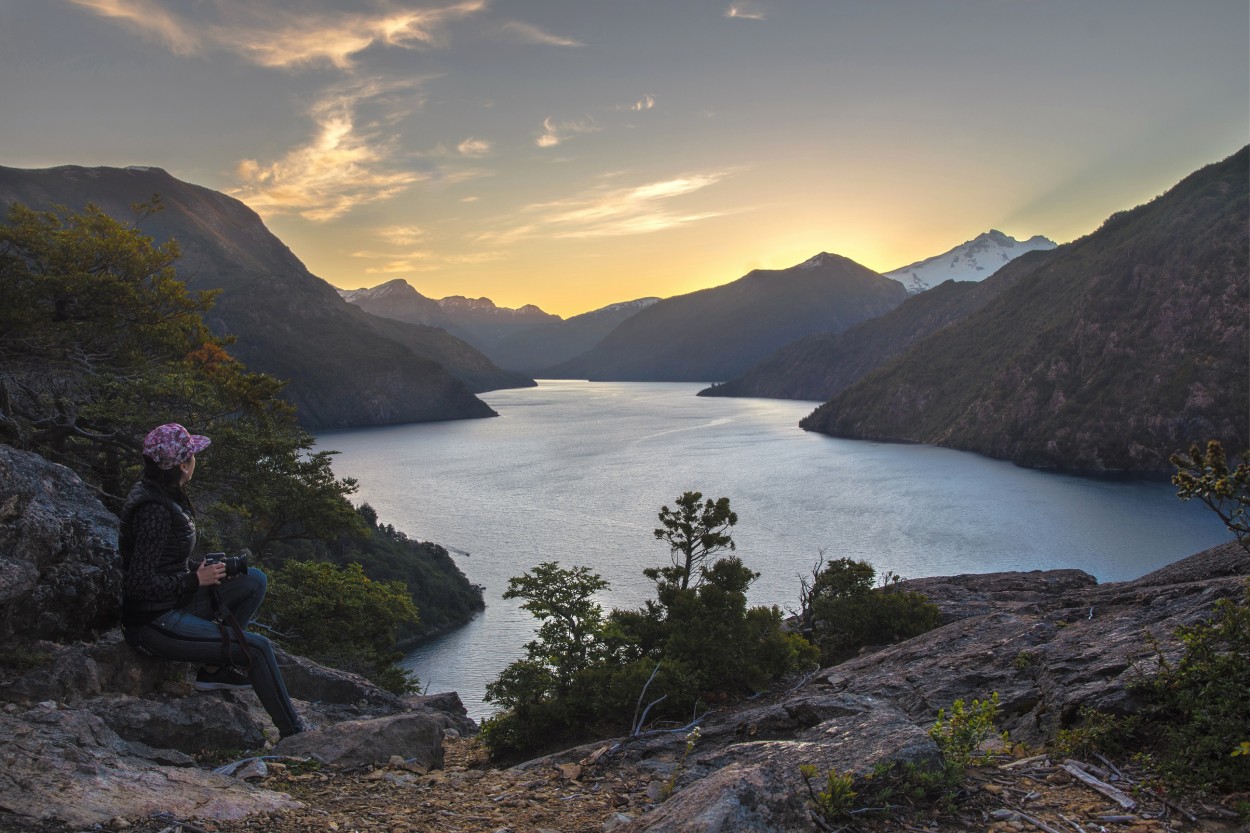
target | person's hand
x=210, y=575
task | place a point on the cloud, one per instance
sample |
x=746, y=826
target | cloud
x=269, y=36
x=746, y=10
x=341, y=167
x=416, y=262
x=474, y=147
x=400, y=235
x=149, y=19
x=555, y=133
x=532, y=34
x=612, y=212
x=645, y=103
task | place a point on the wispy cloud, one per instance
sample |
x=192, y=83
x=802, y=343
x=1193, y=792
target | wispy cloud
x=474, y=147
x=532, y=34
x=746, y=10
x=342, y=166
x=612, y=212
x=276, y=37
x=555, y=133
x=150, y=20
x=644, y=103
x=401, y=235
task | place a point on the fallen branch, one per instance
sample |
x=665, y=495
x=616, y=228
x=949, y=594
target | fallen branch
x=1023, y=762
x=1036, y=822
x=1124, y=800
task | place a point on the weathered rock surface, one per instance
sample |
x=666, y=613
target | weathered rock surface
x=416, y=737
x=67, y=765
x=1049, y=643
x=59, y=577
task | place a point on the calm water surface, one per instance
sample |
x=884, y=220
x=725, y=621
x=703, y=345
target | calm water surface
x=576, y=472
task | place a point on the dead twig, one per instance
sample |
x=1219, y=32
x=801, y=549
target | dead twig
x=1036, y=822
x=1124, y=800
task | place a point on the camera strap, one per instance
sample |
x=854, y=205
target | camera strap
x=229, y=627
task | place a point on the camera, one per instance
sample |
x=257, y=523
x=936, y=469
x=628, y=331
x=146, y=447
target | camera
x=235, y=564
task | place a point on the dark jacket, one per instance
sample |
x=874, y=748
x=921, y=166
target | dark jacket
x=156, y=541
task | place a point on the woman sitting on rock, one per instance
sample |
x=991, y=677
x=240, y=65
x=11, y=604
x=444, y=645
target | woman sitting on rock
x=178, y=609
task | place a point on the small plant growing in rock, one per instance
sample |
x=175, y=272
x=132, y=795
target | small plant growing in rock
x=1024, y=660
x=670, y=782
x=960, y=734
x=837, y=799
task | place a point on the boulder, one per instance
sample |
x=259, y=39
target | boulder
x=71, y=673
x=199, y=723
x=60, y=578
x=307, y=680
x=757, y=785
x=66, y=765
x=416, y=737
x=447, y=706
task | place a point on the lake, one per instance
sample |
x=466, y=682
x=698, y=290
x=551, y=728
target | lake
x=576, y=472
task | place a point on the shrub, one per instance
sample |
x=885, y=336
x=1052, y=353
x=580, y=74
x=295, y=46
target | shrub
x=1200, y=706
x=340, y=617
x=960, y=735
x=843, y=612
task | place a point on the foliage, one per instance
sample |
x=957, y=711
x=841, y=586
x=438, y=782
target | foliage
x=837, y=798
x=339, y=616
x=960, y=734
x=693, y=532
x=443, y=594
x=587, y=673
x=843, y=612
x=1200, y=705
x=1096, y=731
x=568, y=639
x=1207, y=477
x=99, y=342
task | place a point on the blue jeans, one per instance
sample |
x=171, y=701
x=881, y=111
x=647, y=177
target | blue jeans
x=186, y=634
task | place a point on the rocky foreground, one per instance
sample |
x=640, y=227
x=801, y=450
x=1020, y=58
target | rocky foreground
x=93, y=736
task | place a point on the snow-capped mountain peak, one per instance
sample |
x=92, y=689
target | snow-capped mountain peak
x=974, y=260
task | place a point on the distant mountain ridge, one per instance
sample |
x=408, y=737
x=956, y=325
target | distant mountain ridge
x=344, y=367
x=974, y=260
x=717, y=333
x=475, y=320
x=1109, y=353
x=530, y=351
x=821, y=366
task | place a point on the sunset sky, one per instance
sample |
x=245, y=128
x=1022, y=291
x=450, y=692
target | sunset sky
x=574, y=153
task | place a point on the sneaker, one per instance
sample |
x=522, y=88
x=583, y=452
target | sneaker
x=226, y=677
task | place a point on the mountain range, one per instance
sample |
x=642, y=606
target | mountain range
x=344, y=367
x=1106, y=353
x=523, y=340
x=974, y=260
x=717, y=333
x=820, y=366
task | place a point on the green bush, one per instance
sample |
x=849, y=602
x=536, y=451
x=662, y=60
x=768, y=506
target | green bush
x=1199, y=707
x=843, y=611
x=341, y=617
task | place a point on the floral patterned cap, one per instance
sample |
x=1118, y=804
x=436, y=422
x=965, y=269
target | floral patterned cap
x=171, y=444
